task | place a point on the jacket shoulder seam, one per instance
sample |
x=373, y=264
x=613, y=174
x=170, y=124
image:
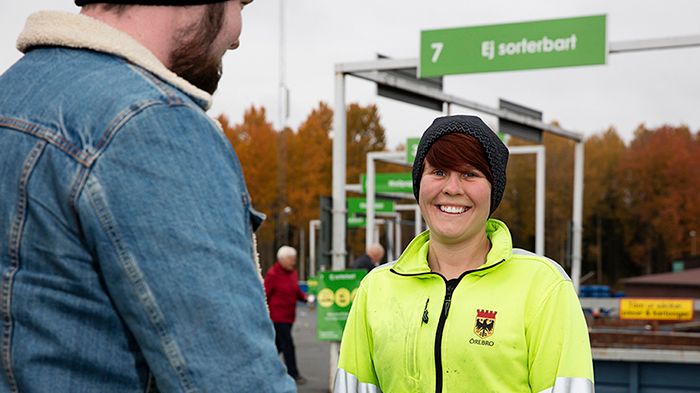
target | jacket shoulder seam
x=550, y=264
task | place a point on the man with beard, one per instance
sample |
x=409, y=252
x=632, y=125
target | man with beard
x=127, y=257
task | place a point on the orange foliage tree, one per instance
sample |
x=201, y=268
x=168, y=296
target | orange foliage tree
x=660, y=179
x=255, y=144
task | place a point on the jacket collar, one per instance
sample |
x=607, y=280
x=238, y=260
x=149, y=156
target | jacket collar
x=279, y=269
x=414, y=259
x=56, y=28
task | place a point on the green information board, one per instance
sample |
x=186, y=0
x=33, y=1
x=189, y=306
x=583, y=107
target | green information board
x=514, y=46
x=336, y=290
x=359, y=205
x=411, y=149
x=390, y=182
x=356, y=221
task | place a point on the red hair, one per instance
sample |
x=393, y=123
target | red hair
x=459, y=152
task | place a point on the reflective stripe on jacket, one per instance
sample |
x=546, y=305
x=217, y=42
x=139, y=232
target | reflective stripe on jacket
x=514, y=324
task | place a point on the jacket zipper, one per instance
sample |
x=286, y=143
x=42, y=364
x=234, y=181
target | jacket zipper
x=450, y=288
x=425, y=311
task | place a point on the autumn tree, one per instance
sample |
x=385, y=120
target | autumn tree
x=255, y=143
x=309, y=166
x=364, y=134
x=604, y=209
x=661, y=179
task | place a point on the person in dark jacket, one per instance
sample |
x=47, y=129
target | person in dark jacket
x=373, y=256
x=282, y=290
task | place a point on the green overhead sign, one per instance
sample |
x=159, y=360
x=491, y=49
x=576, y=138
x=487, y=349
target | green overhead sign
x=356, y=221
x=514, y=46
x=359, y=205
x=411, y=149
x=390, y=182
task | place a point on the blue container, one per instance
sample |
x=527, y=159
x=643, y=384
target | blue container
x=304, y=286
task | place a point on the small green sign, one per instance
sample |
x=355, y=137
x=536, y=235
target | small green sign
x=336, y=291
x=359, y=205
x=390, y=182
x=356, y=221
x=411, y=149
x=514, y=46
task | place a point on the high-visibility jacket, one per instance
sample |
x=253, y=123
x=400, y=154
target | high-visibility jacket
x=514, y=324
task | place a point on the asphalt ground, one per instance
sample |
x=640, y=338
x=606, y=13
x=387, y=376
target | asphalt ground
x=313, y=356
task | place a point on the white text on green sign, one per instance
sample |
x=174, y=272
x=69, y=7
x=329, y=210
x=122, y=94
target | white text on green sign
x=356, y=221
x=390, y=182
x=514, y=46
x=359, y=205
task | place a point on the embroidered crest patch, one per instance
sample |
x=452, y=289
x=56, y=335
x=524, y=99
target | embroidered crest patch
x=485, y=321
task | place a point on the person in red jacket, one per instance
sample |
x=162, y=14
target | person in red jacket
x=282, y=290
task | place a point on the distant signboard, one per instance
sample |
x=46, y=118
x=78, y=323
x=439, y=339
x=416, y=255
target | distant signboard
x=355, y=221
x=359, y=205
x=336, y=291
x=389, y=182
x=656, y=309
x=411, y=149
x=514, y=46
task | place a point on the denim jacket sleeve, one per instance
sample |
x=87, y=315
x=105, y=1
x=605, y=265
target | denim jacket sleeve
x=166, y=213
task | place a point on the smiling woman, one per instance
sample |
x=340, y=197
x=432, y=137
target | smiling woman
x=428, y=322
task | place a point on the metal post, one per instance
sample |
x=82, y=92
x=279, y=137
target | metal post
x=339, y=154
x=539, y=151
x=339, y=208
x=397, y=236
x=539, y=204
x=282, y=89
x=389, y=228
x=335, y=354
x=370, y=198
x=313, y=225
x=577, y=216
x=302, y=255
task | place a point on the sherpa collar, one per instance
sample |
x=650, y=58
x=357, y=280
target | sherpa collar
x=58, y=28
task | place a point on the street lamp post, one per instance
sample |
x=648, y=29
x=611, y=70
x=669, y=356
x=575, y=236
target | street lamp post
x=287, y=211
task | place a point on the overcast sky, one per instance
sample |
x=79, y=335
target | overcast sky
x=655, y=88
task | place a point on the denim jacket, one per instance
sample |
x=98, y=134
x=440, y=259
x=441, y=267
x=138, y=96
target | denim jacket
x=126, y=253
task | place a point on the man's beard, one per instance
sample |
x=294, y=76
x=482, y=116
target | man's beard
x=192, y=60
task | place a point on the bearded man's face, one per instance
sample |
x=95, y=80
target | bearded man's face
x=202, y=45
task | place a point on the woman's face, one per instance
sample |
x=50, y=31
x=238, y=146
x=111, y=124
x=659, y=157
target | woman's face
x=454, y=205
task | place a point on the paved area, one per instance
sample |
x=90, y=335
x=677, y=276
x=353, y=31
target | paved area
x=313, y=356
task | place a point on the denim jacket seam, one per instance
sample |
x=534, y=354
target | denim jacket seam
x=47, y=135
x=117, y=123
x=142, y=290
x=88, y=157
x=151, y=386
x=14, y=245
x=172, y=95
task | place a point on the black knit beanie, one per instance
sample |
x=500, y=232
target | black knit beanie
x=496, y=151
x=81, y=3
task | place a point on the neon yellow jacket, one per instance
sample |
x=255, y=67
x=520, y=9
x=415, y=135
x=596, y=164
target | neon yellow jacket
x=513, y=325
